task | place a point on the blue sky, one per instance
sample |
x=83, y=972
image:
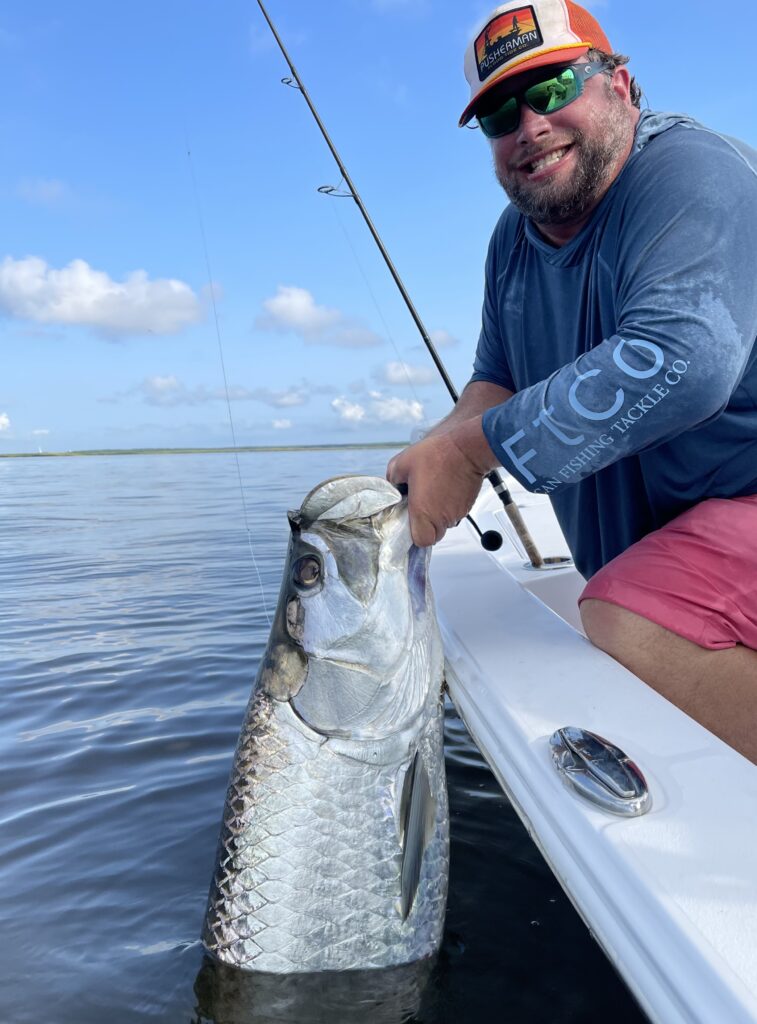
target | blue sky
x=106, y=320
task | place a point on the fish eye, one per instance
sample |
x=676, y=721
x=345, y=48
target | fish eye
x=306, y=571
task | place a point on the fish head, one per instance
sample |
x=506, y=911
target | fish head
x=353, y=607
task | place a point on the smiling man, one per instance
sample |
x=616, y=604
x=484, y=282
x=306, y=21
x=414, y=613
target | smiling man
x=616, y=370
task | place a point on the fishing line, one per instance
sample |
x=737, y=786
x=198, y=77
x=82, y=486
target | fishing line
x=214, y=306
x=377, y=307
x=493, y=477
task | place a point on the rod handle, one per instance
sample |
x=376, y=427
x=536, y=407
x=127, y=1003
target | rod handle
x=526, y=539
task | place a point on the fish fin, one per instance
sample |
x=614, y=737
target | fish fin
x=418, y=814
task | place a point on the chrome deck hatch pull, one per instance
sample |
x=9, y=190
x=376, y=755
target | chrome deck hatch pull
x=600, y=772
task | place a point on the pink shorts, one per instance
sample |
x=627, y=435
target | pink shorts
x=697, y=576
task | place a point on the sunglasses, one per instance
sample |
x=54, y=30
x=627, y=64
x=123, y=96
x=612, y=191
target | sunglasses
x=501, y=117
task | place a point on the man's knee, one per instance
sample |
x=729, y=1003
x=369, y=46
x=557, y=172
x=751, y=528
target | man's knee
x=610, y=627
x=635, y=641
x=596, y=617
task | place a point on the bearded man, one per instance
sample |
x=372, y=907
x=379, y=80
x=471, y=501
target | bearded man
x=616, y=370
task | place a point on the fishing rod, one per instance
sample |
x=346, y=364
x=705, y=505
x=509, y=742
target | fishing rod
x=490, y=540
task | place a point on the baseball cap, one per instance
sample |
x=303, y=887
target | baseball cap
x=519, y=37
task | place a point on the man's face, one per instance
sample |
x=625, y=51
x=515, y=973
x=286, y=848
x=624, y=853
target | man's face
x=556, y=167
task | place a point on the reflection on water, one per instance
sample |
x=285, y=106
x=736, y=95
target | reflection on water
x=226, y=995
x=131, y=628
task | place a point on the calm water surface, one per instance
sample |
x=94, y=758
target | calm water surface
x=131, y=627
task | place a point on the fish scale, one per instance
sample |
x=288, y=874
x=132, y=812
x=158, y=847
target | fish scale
x=270, y=863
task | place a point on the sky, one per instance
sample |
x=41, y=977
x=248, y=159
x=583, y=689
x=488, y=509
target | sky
x=166, y=259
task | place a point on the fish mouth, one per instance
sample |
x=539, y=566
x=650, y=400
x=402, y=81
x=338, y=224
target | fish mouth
x=342, y=499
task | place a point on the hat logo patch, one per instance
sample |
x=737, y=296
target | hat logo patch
x=506, y=37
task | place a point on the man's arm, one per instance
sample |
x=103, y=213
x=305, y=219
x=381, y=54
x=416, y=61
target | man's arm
x=478, y=396
x=444, y=471
x=686, y=319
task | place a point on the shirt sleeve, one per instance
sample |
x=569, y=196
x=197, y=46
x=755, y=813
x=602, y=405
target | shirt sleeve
x=490, y=363
x=686, y=323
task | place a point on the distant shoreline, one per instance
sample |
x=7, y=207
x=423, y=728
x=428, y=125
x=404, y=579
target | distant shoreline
x=207, y=451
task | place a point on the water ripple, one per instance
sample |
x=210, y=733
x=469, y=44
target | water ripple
x=132, y=629
x=107, y=723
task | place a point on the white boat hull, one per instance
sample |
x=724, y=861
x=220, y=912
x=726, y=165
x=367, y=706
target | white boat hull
x=670, y=896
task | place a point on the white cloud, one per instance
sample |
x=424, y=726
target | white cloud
x=443, y=339
x=281, y=424
x=170, y=391
x=382, y=409
x=294, y=309
x=79, y=295
x=348, y=412
x=395, y=410
x=279, y=399
x=398, y=374
x=42, y=191
x=40, y=433
x=163, y=390
x=282, y=399
x=5, y=423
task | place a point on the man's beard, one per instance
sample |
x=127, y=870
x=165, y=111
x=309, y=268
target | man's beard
x=553, y=202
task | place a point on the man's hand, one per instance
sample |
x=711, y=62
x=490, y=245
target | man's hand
x=443, y=473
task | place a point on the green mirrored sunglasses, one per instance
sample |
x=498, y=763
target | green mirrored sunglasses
x=500, y=116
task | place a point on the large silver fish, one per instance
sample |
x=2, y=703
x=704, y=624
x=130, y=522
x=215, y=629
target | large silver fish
x=394, y=995
x=334, y=848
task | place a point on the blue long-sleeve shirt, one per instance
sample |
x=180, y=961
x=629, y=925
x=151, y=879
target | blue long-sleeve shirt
x=631, y=349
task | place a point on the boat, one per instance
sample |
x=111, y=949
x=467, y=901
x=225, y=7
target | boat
x=667, y=887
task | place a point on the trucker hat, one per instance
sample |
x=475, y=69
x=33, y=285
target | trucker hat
x=517, y=37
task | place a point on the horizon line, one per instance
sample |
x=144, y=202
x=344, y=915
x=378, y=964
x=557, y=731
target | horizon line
x=227, y=449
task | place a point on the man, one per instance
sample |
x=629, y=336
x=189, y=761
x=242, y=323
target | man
x=616, y=369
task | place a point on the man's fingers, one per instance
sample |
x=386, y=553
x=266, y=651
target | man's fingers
x=438, y=475
x=394, y=472
x=426, y=528
x=425, y=533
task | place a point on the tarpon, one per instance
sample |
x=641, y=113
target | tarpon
x=393, y=995
x=334, y=848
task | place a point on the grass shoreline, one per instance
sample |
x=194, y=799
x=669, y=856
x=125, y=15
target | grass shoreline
x=206, y=451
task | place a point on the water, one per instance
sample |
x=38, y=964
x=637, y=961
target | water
x=131, y=627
